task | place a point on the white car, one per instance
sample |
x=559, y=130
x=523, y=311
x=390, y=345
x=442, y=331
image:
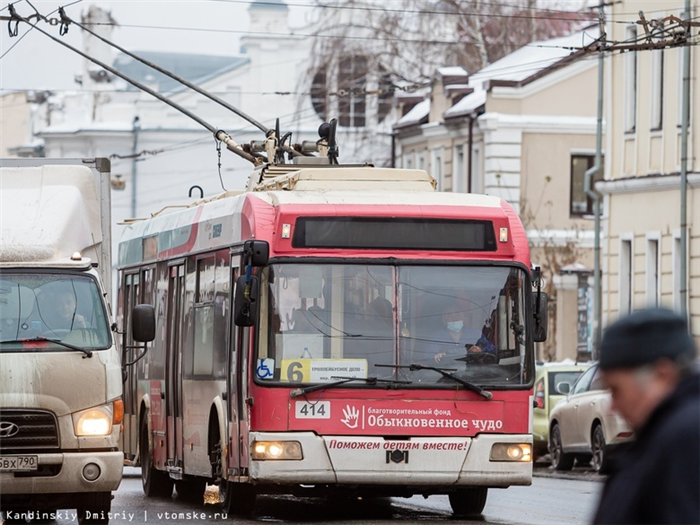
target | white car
x=582, y=426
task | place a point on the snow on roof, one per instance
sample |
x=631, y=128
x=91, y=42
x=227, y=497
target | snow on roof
x=452, y=71
x=192, y=67
x=521, y=65
x=417, y=113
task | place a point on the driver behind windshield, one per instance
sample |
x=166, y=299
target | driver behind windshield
x=57, y=311
x=454, y=338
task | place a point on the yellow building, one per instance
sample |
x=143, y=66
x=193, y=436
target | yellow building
x=641, y=246
x=523, y=128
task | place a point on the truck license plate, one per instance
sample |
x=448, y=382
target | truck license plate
x=18, y=463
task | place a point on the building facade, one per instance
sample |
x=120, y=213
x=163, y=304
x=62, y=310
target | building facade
x=523, y=129
x=642, y=261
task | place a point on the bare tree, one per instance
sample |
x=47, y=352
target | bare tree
x=364, y=50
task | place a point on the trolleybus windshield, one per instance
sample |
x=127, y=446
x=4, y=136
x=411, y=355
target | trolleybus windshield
x=323, y=321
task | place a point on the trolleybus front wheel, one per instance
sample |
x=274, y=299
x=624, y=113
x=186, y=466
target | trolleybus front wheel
x=237, y=498
x=155, y=482
x=468, y=501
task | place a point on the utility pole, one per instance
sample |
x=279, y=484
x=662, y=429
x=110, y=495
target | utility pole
x=684, y=172
x=134, y=165
x=596, y=196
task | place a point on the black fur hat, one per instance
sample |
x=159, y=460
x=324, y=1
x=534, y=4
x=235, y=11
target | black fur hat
x=644, y=337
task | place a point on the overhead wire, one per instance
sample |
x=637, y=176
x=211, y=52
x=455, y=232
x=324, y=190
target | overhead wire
x=11, y=5
x=179, y=79
x=417, y=11
x=219, y=134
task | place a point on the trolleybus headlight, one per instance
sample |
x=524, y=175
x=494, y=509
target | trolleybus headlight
x=521, y=452
x=95, y=421
x=263, y=450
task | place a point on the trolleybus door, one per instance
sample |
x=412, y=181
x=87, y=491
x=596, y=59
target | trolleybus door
x=131, y=428
x=232, y=385
x=173, y=375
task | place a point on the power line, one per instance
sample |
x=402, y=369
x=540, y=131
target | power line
x=171, y=75
x=218, y=134
x=428, y=11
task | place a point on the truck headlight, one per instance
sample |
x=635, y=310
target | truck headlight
x=271, y=450
x=521, y=452
x=96, y=421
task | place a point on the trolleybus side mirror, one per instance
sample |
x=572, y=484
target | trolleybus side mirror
x=143, y=323
x=539, y=312
x=257, y=252
x=143, y=330
x=245, y=305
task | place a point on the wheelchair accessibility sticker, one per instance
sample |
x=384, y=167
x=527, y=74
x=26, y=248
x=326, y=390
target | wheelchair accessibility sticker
x=265, y=368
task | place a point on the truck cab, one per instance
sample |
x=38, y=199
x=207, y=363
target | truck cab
x=61, y=405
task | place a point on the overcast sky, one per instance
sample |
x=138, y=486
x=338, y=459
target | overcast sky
x=37, y=62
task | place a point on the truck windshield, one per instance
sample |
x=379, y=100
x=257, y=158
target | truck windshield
x=322, y=321
x=61, y=307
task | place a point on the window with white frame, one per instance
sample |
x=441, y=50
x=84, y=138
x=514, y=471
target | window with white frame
x=653, y=269
x=408, y=161
x=657, y=89
x=436, y=168
x=580, y=203
x=459, y=177
x=625, y=290
x=631, y=82
x=676, y=254
x=475, y=180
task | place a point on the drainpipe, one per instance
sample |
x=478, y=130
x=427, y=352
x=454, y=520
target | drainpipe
x=595, y=195
x=470, y=142
x=134, y=147
x=684, y=172
x=393, y=149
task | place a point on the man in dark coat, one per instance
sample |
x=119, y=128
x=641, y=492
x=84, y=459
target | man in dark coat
x=648, y=362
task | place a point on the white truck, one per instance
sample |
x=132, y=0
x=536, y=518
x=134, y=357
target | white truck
x=61, y=405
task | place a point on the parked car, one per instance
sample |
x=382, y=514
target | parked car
x=548, y=377
x=583, y=427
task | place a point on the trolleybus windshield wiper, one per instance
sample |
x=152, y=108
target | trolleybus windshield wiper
x=342, y=380
x=40, y=338
x=445, y=373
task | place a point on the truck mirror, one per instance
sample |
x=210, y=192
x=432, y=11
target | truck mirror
x=539, y=312
x=143, y=323
x=245, y=307
x=258, y=251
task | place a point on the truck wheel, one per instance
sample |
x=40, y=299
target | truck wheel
x=560, y=459
x=94, y=508
x=155, y=482
x=468, y=501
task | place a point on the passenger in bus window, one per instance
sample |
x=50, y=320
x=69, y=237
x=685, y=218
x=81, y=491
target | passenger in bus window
x=486, y=341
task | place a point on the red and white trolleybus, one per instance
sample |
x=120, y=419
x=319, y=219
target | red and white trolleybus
x=332, y=328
